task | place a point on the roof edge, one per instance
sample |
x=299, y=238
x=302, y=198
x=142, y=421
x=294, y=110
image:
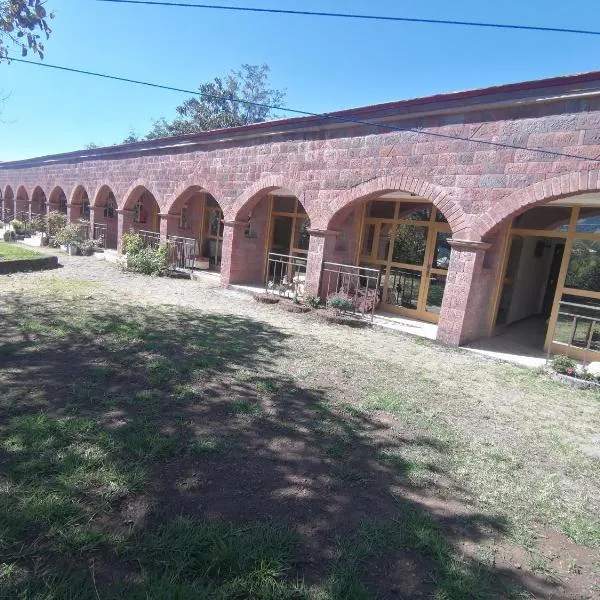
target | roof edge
x=437, y=102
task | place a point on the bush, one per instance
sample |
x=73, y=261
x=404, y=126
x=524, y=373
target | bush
x=563, y=364
x=69, y=234
x=147, y=261
x=10, y=236
x=312, y=300
x=18, y=226
x=38, y=223
x=132, y=243
x=341, y=304
x=54, y=222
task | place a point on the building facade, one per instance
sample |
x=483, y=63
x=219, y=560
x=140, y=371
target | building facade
x=477, y=208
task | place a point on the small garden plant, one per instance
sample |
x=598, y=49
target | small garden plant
x=340, y=304
x=147, y=261
x=312, y=300
x=564, y=365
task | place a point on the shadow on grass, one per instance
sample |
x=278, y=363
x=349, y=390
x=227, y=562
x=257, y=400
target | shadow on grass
x=154, y=452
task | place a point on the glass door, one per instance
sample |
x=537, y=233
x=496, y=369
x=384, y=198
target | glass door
x=408, y=241
x=575, y=320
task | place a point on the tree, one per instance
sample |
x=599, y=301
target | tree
x=132, y=137
x=215, y=107
x=22, y=24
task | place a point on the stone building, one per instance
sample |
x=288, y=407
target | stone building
x=479, y=210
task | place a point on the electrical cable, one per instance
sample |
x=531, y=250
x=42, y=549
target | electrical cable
x=358, y=16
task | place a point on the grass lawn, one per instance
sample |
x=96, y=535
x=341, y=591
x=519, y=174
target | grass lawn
x=13, y=251
x=158, y=451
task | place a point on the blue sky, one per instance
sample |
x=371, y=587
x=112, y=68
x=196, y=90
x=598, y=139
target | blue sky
x=324, y=64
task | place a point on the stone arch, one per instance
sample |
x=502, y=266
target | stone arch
x=8, y=203
x=553, y=188
x=80, y=203
x=21, y=203
x=78, y=194
x=105, y=208
x=22, y=193
x=185, y=193
x=102, y=194
x=439, y=196
x=39, y=201
x=143, y=207
x=260, y=188
x=58, y=200
x=130, y=197
x=212, y=188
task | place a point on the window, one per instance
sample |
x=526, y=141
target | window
x=110, y=208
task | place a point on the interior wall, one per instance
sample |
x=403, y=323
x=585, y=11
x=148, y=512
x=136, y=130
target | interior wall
x=531, y=279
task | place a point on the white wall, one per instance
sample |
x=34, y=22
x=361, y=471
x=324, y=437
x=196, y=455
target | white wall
x=530, y=280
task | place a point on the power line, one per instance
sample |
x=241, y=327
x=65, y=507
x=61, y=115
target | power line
x=332, y=117
x=358, y=16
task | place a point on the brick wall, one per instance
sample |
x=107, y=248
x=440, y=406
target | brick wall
x=332, y=167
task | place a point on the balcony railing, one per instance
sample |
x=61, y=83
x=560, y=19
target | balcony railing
x=150, y=239
x=286, y=275
x=181, y=252
x=99, y=234
x=360, y=285
x=576, y=331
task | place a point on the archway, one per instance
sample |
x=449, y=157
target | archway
x=547, y=294
x=270, y=236
x=105, y=218
x=80, y=205
x=142, y=215
x=58, y=201
x=22, y=204
x=9, y=204
x=196, y=225
x=38, y=202
x=404, y=238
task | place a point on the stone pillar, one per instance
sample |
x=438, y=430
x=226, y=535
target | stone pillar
x=463, y=316
x=321, y=246
x=165, y=225
x=233, y=259
x=124, y=223
x=72, y=212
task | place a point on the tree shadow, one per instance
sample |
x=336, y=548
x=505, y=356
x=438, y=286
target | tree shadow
x=160, y=452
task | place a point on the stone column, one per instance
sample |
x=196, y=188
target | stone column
x=321, y=245
x=71, y=210
x=165, y=220
x=463, y=316
x=124, y=224
x=233, y=258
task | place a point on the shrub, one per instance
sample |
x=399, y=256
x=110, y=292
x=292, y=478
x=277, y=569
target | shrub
x=55, y=221
x=341, y=304
x=563, y=364
x=69, y=234
x=10, y=236
x=312, y=300
x=38, y=223
x=147, y=261
x=132, y=243
x=18, y=226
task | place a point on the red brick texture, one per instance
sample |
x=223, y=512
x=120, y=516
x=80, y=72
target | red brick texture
x=332, y=166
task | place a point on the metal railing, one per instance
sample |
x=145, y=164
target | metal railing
x=99, y=234
x=570, y=331
x=286, y=275
x=360, y=285
x=181, y=252
x=150, y=239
